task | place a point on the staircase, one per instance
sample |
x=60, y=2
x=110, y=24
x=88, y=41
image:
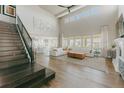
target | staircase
x=15, y=68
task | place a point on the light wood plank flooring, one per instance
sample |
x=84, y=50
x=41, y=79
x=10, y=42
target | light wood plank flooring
x=69, y=75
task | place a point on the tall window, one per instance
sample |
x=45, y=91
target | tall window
x=83, y=42
x=71, y=42
x=77, y=42
x=88, y=42
x=53, y=43
x=86, y=12
x=97, y=41
x=65, y=42
x=46, y=42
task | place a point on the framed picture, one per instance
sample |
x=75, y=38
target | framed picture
x=9, y=10
x=0, y=9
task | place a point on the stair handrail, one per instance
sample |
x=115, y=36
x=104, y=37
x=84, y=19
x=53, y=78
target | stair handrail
x=26, y=38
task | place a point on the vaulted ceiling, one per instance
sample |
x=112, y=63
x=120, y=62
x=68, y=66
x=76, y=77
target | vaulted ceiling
x=59, y=11
x=54, y=9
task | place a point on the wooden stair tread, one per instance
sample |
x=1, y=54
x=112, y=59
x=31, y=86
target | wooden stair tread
x=9, y=33
x=37, y=82
x=8, y=71
x=11, y=45
x=10, y=41
x=12, y=70
x=8, y=38
x=19, y=50
x=3, y=22
x=8, y=30
x=8, y=26
x=20, y=76
x=12, y=58
x=9, y=53
x=8, y=64
x=10, y=48
x=1, y=40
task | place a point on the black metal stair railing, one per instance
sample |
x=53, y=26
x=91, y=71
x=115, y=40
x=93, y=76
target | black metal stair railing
x=26, y=38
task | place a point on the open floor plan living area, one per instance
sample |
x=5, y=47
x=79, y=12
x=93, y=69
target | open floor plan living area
x=61, y=46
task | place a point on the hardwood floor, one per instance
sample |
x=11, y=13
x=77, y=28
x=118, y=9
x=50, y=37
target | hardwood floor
x=69, y=75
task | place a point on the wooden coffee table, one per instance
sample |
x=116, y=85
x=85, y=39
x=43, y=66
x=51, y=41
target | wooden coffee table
x=76, y=55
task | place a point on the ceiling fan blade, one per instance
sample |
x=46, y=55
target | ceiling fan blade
x=62, y=6
x=69, y=7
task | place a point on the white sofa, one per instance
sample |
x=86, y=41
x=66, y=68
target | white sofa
x=57, y=52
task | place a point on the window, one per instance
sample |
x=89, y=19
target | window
x=78, y=42
x=83, y=42
x=50, y=42
x=46, y=42
x=84, y=13
x=9, y=10
x=88, y=42
x=65, y=42
x=71, y=42
x=97, y=41
x=53, y=43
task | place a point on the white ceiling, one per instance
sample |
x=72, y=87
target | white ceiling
x=54, y=9
x=57, y=10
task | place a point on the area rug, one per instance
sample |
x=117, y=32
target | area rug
x=97, y=63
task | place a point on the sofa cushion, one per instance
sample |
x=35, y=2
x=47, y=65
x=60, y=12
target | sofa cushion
x=57, y=52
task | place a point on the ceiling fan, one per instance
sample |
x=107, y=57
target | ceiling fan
x=67, y=7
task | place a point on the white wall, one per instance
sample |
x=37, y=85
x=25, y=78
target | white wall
x=120, y=10
x=6, y=18
x=91, y=23
x=37, y=21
